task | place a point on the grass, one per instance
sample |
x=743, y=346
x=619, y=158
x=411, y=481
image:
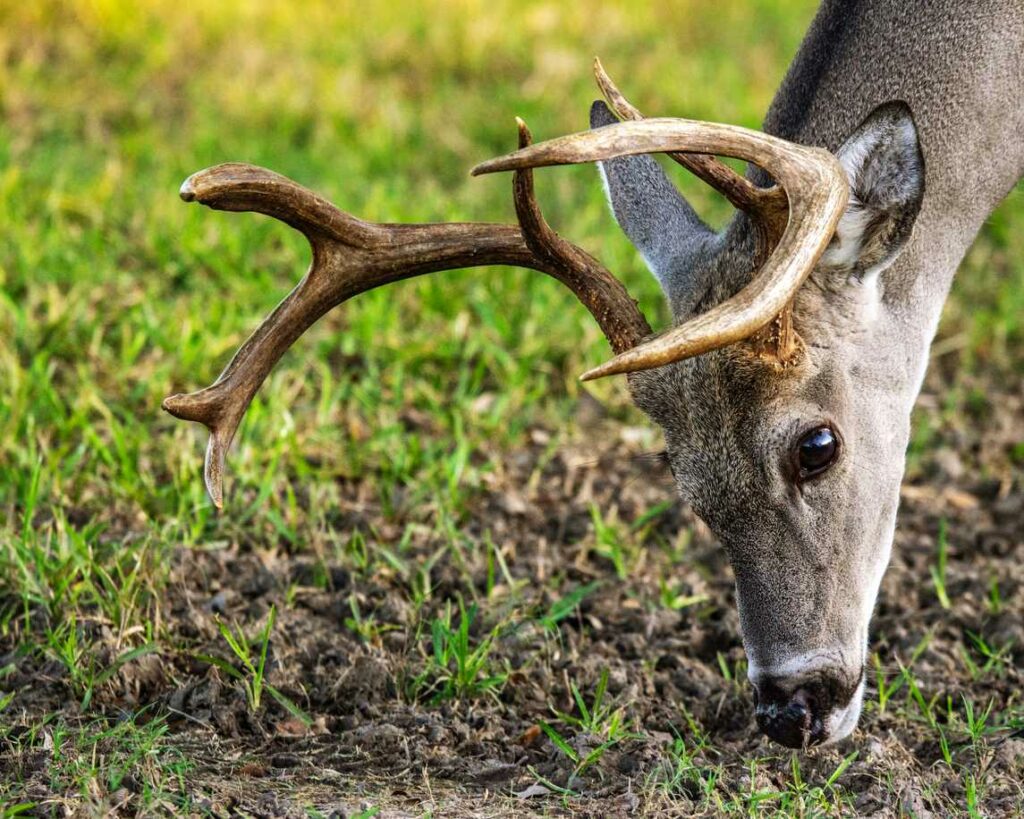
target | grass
x=250, y=667
x=410, y=401
x=459, y=666
x=600, y=726
x=938, y=569
x=96, y=763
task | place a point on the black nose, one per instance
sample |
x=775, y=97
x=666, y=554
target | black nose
x=795, y=719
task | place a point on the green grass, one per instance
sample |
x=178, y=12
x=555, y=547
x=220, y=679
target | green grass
x=458, y=666
x=938, y=569
x=114, y=294
x=600, y=722
x=93, y=763
x=249, y=666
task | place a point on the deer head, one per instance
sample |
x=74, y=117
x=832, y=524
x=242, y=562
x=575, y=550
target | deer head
x=772, y=432
x=794, y=460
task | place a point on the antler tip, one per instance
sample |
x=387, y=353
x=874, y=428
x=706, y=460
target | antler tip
x=490, y=166
x=187, y=191
x=613, y=367
x=215, y=493
x=191, y=407
x=213, y=469
x=525, y=137
x=174, y=404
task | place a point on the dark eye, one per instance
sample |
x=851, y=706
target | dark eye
x=815, y=452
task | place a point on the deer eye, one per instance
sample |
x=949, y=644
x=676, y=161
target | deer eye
x=815, y=452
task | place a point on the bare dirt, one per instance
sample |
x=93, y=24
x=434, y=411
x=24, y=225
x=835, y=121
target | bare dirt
x=371, y=744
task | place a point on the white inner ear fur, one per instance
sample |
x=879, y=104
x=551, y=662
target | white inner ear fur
x=845, y=249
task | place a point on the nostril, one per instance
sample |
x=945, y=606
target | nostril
x=817, y=705
x=802, y=700
x=790, y=720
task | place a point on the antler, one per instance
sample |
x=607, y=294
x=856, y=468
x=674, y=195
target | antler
x=764, y=204
x=351, y=256
x=767, y=208
x=815, y=187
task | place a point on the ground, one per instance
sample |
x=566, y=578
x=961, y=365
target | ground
x=448, y=580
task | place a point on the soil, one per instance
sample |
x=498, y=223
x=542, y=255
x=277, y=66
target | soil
x=370, y=743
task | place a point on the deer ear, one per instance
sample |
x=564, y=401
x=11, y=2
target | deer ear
x=657, y=219
x=885, y=168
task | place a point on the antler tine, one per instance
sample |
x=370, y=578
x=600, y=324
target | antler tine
x=237, y=186
x=740, y=191
x=812, y=179
x=624, y=324
x=350, y=256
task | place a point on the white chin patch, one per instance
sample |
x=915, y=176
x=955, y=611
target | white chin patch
x=842, y=721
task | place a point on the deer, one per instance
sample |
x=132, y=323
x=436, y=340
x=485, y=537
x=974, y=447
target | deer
x=801, y=330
